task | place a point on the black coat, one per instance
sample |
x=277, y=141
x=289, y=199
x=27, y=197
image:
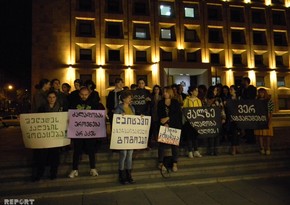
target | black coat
x=173, y=112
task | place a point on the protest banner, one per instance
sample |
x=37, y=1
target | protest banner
x=130, y=132
x=168, y=135
x=206, y=120
x=44, y=130
x=87, y=124
x=248, y=114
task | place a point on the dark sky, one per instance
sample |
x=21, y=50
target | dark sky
x=15, y=42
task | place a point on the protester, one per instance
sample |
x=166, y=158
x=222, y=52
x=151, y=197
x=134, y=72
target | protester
x=94, y=95
x=141, y=99
x=180, y=91
x=65, y=87
x=265, y=135
x=47, y=156
x=202, y=90
x=74, y=95
x=176, y=95
x=84, y=103
x=125, y=156
x=39, y=99
x=61, y=97
x=187, y=130
x=169, y=113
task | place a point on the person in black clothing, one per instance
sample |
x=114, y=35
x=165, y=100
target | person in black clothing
x=141, y=99
x=248, y=92
x=170, y=115
x=61, y=97
x=47, y=156
x=94, y=95
x=74, y=95
x=113, y=98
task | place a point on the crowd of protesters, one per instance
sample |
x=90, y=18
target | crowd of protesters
x=164, y=105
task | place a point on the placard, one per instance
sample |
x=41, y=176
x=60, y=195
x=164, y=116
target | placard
x=130, y=132
x=87, y=124
x=169, y=135
x=206, y=120
x=248, y=114
x=44, y=130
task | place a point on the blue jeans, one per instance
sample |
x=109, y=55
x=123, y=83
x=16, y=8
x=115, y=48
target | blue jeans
x=125, y=159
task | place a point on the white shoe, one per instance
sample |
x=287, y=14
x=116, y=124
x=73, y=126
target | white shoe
x=190, y=155
x=94, y=172
x=73, y=174
x=197, y=154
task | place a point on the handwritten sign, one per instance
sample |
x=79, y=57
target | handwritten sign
x=168, y=135
x=130, y=132
x=248, y=114
x=206, y=120
x=44, y=130
x=86, y=124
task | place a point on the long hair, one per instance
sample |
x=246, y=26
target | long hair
x=266, y=95
x=169, y=90
x=41, y=83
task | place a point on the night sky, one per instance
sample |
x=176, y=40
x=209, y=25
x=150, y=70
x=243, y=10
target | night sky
x=15, y=43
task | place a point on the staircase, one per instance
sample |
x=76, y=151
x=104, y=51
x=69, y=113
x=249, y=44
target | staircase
x=15, y=174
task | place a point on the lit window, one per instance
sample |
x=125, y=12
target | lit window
x=189, y=12
x=165, y=10
x=141, y=31
x=166, y=33
x=280, y=81
x=260, y=81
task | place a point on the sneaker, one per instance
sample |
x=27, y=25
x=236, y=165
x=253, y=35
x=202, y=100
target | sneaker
x=197, y=154
x=262, y=151
x=174, y=168
x=73, y=174
x=161, y=167
x=94, y=172
x=268, y=152
x=190, y=155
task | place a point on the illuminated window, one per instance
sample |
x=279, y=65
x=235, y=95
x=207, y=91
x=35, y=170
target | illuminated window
x=260, y=81
x=190, y=35
x=141, y=31
x=167, y=34
x=189, y=12
x=214, y=13
x=85, y=54
x=237, y=14
x=141, y=56
x=280, y=39
x=215, y=35
x=85, y=5
x=85, y=28
x=278, y=18
x=166, y=10
x=280, y=81
x=114, y=6
x=258, y=16
x=114, y=30
x=141, y=7
x=238, y=37
x=259, y=38
x=114, y=56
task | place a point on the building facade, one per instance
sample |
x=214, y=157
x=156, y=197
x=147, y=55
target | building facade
x=164, y=42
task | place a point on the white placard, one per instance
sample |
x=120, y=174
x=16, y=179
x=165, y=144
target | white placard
x=168, y=135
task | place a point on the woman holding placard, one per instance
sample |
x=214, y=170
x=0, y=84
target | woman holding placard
x=170, y=115
x=125, y=156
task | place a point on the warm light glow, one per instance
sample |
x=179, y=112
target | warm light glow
x=230, y=80
x=252, y=76
x=273, y=79
x=155, y=74
x=10, y=87
x=70, y=75
x=247, y=1
x=100, y=83
x=268, y=2
x=129, y=76
x=287, y=3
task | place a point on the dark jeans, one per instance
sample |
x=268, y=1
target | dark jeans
x=162, y=147
x=233, y=134
x=250, y=136
x=43, y=157
x=213, y=143
x=87, y=145
x=190, y=135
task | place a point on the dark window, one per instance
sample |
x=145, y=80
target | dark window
x=166, y=56
x=259, y=60
x=167, y=34
x=237, y=59
x=279, y=61
x=214, y=13
x=259, y=1
x=141, y=56
x=215, y=58
x=114, y=55
x=280, y=39
x=141, y=7
x=114, y=6
x=193, y=56
x=237, y=14
x=114, y=30
x=190, y=35
x=215, y=36
x=141, y=31
x=166, y=10
x=259, y=38
x=258, y=16
x=85, y=28
x=280, y=81
x=238, y=37
x=279, y=2
x=260, y=81
x=85, y=5
x=278, y=18
x=85, y=54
